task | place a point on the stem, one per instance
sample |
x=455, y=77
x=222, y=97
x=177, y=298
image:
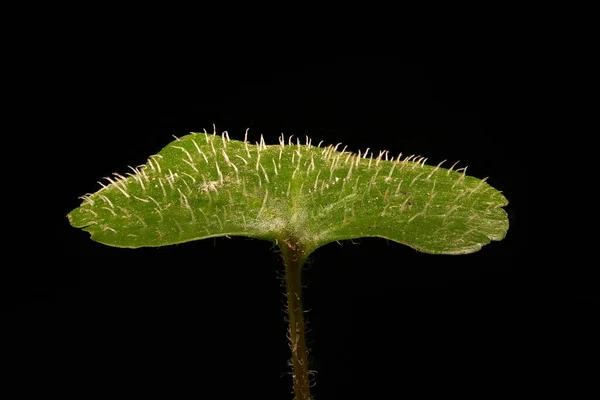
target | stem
x=293, y=258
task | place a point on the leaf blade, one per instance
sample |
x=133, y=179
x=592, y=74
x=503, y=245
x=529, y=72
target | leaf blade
x=202, y=186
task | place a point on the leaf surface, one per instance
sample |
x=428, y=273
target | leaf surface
x=204, y=185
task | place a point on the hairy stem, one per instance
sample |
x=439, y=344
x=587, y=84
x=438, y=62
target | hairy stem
x=293, y=258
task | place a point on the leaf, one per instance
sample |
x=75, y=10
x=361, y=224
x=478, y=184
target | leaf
x=203, y=186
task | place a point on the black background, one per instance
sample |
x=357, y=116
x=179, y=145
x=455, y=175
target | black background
x=207, y=316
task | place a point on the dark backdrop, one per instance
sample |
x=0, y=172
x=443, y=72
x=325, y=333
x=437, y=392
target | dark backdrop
x=208, y=316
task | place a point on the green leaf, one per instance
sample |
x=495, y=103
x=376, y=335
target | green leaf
x=203, y=186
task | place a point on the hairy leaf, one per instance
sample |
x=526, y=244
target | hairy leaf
x=203, y=186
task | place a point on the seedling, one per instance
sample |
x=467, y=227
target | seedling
x=298, y=195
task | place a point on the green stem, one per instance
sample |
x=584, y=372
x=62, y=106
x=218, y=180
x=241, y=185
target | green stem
x=293, y=258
